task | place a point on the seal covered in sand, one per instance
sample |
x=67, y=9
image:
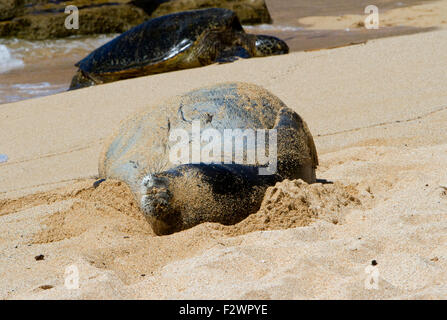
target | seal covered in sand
x=176, y=41
x=209, y=155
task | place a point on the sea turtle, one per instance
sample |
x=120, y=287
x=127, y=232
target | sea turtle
x=175, y=183
x=175, y=41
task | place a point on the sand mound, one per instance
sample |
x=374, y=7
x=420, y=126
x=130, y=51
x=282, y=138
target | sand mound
x=91, y=207
x=295, y=203
x=288, y=204
x=114, y=194
x=103, y=229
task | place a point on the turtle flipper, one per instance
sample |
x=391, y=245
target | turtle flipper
x=80, y=80
x=232, y=54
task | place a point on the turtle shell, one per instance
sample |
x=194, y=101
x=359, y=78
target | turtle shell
x=157, y=40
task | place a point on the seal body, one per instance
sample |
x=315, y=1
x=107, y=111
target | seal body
x=163, y=154
x=172, y=42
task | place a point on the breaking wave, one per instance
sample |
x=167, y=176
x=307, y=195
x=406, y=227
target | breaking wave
x=8, y=61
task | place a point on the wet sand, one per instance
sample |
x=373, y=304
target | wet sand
x=292, y=11
x=330, y=24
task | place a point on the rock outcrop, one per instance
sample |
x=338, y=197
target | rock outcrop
x=44, y=19
x=248, y=11
x=10, y=8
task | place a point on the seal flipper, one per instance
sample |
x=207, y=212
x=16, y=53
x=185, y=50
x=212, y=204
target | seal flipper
x=292, y=131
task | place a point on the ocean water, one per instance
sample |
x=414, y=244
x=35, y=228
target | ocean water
x=8, y=61
x=49, y=48
x=30, y=69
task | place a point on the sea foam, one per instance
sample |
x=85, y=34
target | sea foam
x=273, y=27
x=7, y=61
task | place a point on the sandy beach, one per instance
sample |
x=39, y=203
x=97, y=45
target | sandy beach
x=377, y=112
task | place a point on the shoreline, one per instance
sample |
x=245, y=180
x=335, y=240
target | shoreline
x=336, y=25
